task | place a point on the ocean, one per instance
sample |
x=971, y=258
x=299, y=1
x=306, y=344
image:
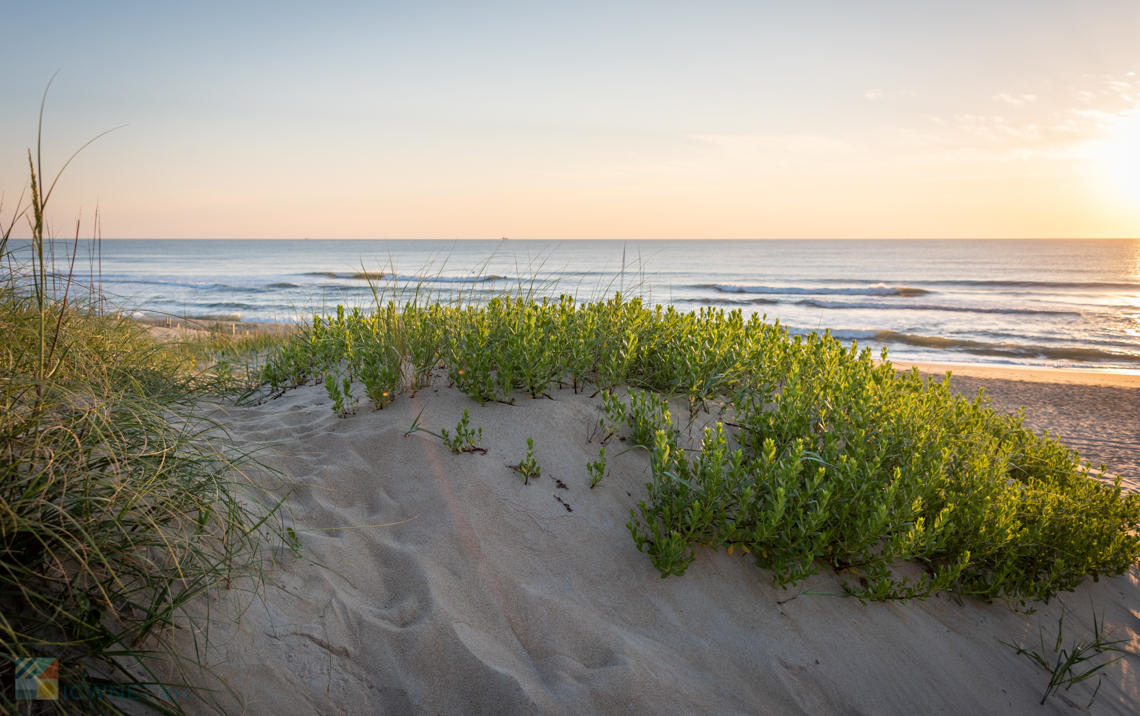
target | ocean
x=1049, y=303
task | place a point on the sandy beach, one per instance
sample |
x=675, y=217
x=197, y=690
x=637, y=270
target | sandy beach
x=428, y=582
x=182, y=329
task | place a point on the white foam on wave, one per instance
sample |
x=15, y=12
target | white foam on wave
x=879, y=289
x=817, y=303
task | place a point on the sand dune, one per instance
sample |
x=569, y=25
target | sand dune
x=495, y=597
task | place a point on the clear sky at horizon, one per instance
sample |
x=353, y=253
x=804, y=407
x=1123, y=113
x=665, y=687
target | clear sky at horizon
x=659, y=119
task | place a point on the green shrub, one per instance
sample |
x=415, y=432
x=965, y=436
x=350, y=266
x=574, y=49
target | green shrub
x=850, y=465
x=824, y=458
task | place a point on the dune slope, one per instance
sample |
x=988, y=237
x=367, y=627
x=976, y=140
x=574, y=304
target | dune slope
x=491, y=596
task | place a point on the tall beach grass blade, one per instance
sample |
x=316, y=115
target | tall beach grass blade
x=119, y=501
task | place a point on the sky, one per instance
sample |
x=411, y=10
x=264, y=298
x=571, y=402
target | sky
x=563, y=120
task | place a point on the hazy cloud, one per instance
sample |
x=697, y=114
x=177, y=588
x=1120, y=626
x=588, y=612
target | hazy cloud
x=873, y=94
x=1015, y=100
x=801, y=145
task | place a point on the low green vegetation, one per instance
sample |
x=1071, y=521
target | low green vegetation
x=821, y=457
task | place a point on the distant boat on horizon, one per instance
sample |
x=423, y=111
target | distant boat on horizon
x=504, y=238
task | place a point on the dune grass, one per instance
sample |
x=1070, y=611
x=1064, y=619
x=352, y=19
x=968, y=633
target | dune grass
x=821, y=456
x=228, y=365
x=1079, y=661
x=120, y=499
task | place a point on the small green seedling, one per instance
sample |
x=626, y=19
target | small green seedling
x=649, y=412
x=465, y=439
x=1062, y=666
x=528, y=467
x=380, y=379
x=597, y=469
x=294, y=542
x=340, y=392
x=614, y=418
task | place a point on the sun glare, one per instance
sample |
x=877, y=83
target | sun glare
x=1123, y=160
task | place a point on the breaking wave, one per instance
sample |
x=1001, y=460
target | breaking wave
x=816, y=303
x=733, y=301
x=879, y=289
x=981, y=348
x=379, y=275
